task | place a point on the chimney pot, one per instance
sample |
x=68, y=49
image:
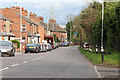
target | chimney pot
x=22, y=8
x=13, y=7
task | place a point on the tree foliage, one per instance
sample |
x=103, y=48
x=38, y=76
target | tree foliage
x=69, y=27
x=91, y=17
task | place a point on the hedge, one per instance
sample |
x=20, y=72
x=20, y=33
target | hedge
x=16, y=41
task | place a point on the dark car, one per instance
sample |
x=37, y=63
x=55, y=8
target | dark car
x=53, y=46
x=32, y=47
x=7, y=48
x=65, y=44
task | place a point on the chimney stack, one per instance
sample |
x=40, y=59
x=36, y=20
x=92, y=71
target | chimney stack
x=52, y=20
x=13, y=7
x=32, y=15
x=40, y=18
x=22, y=11
x=18, y=9
x=26, y=13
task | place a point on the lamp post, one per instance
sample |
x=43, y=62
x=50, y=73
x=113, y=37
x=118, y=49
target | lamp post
x=102, y=49
x=70, y=33
x=20, y=29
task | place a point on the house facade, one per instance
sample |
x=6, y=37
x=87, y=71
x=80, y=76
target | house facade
x=5, y=28
x=23, y=28
x=30, y=28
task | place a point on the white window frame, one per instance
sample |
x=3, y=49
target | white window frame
x=23, y=27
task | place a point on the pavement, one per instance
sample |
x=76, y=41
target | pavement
x=64, y=62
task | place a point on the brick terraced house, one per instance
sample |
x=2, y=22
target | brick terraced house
x=16, y=21
x=5, y=28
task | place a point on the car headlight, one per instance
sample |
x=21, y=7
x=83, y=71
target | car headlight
x=5, y=50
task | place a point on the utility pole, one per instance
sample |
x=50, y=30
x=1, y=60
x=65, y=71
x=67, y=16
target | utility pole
x=102, y=49
x=70, y=34
x=20, y=30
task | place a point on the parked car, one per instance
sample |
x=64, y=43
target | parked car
x=65, y=44
x=57, y=45
x=60, y=44
x=86, y=46
x=53, y=46
x=40, y=47
x=7, y=48
x=32, y=47
x=48, y=46
x=44, y=49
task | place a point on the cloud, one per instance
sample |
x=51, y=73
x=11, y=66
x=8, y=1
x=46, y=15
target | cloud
x=43, y=0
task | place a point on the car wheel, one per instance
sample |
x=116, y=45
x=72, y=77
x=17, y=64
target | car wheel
x=2, y=55
x=10, y=55
x=13, y=55
x=26, y=51
x=37, y=51
x=13, y=52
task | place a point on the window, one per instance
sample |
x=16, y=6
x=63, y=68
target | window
x=4, y=28
x=23, y=27
x=23, y=38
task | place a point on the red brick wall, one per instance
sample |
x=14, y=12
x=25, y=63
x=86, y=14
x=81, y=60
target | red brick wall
x=41, y=30
x=11, y=15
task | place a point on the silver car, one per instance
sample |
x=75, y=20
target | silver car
x=48, y=46
x=7, y=48
x=43, y=48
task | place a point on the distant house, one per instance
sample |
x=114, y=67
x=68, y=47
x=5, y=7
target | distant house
x=5, y=28
x=56, y=29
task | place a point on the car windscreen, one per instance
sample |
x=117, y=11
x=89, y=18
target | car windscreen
x=87, y=44
x=31, y=45
x=5, y=43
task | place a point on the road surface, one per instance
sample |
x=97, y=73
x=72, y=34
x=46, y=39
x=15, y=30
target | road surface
x=64, y=62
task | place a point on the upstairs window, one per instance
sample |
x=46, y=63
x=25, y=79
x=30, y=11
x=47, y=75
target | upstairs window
x=23, y=38
x=23, y=27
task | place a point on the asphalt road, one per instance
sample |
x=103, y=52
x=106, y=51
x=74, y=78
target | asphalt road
x=64, y=62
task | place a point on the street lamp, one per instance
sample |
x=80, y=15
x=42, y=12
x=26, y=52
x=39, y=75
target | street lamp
x=102, y=49
x=20, y=28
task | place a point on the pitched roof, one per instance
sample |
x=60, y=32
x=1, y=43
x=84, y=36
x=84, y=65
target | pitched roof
x=42, y=23
x=26, y=19
x=4, y=18
x=55, y=28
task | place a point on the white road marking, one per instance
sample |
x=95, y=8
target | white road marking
x=4, y=69
x=33, y=60
x=43, y=53
x=15, y=65
x=37, y=58
x=99, y=76
x=25, y=61
x=41, y=57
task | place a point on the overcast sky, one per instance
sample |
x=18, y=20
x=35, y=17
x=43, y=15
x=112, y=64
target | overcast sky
x=60, y=8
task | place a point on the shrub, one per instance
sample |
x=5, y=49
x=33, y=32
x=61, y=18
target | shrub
x=16, y=41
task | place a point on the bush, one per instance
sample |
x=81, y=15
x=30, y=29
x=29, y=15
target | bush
x=16, y=41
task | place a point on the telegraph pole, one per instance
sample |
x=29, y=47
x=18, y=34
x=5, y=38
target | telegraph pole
x=102, y=49
x=20, y=30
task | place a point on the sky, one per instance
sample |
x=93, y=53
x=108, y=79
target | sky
x=57, y=9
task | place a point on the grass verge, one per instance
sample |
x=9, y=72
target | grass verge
x=109, y=59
